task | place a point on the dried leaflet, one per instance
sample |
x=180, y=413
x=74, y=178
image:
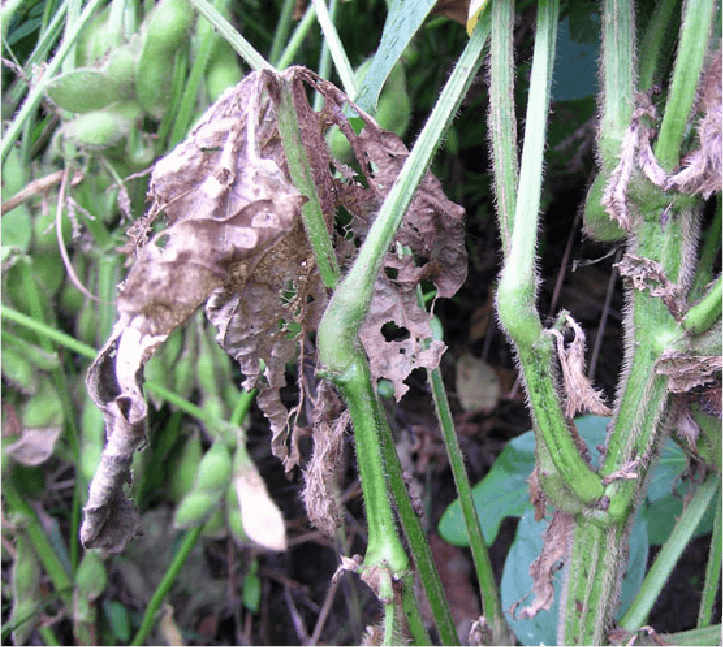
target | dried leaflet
x=557, y=538
x=701, y=174
x=703, y=167
x=321, y=492
x=579, y=393
x=227, y=202
x=688, y=371
x=429, y=245
x=649, y=275
x=235, y=240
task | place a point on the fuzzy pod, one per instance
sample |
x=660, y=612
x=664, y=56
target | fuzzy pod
x=215, y=407
x=16, y=228
x=86, y=322
x=49, y=271
x=215, y=469
x=597, y=223
x=166, y=30
x=94, y=40
x=18, y=370
x=215, y=527
x=88, y=90
x=195, y=508
x=26, y=575
x=183, y=478
x=184, y=371
x=207, y=377
x=223, y=70
x=103, y=128
x=44, y=409
x=393, y=110
x=91, y=577
x=45, y=240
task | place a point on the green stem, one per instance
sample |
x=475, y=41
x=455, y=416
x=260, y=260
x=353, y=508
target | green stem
x=502, y=124
x=618, y=78
x=149, y=617
x=710, y=248
x=712, y=569
x=281, y=35
x=325, y=59
x=297, y=38
x=338, y=53
x=501, y=633
x=692, y=48
x=417, y=541
x=657, y=32
x=47, y=332
x=665, y=561
x=383, y=548
x=517, y=289
x=706, y=312
x=705, y=636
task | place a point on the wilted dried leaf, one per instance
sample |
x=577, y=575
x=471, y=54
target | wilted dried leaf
x=579, y=392
x=321, y=492
x=703, y=168
x=649, y=275
x=236, y=241
x=556, y=548
x=34, y=446
x=688, y=371
x=636, y=136
x=228, y=201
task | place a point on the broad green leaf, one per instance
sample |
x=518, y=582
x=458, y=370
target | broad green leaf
x=404, y=19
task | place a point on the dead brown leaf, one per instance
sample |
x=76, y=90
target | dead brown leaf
x=235, y=240
x=579, y=392
x=688, y=371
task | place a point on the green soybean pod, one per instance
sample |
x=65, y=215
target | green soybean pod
x=166, y=30
x=223, y=70
x=26, y=575
x=16, y=227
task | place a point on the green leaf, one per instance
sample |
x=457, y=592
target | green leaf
x=404, y=19
x=504, y=492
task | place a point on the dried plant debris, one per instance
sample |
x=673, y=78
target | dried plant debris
x=579, y=392
x=702, y=168
x=321, y=492
x=646, y=274
x=637, y=137
x=557, y=538
x=688, y=371
x=235, y=241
